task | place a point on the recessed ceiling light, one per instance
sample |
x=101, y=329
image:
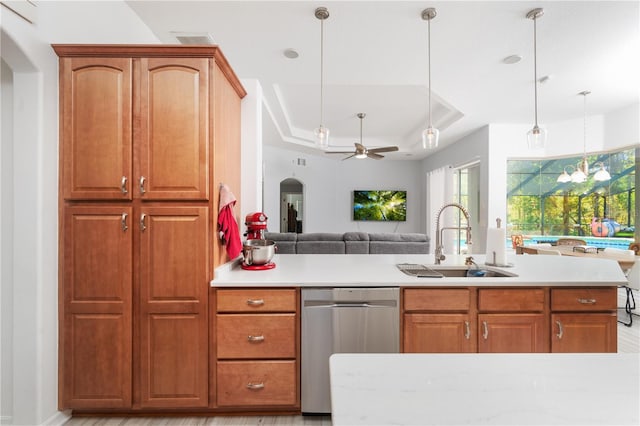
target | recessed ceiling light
x=291, y=53
x=512, y=59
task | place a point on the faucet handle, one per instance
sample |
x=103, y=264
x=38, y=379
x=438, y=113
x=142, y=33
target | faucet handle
x=469, y=261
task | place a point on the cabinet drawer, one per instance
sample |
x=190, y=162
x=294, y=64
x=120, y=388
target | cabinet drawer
x=272, y=300
x=584, y=299
x=436, y=299
x=511, y=300
x=259, y=336
x=257, y=383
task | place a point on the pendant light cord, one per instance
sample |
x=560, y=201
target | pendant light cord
x=429, y=64
x=584, y=126
x=321, y=71
x=535, y=71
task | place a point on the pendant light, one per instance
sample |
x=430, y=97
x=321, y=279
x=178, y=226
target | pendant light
x=537, y=136
x=564, y=176
x=602, y=174
x=430, y=135
x=322, y=133
x=582, y=171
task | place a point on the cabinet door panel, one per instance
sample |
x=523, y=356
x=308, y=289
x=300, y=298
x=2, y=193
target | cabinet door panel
x=438, y=333
x=173, y=129
x=174, y=288
x=508, y=333
x=96, y=111
x=593, y=332
x=96, y=334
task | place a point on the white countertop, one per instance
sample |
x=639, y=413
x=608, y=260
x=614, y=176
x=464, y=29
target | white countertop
x=361, y=270
x=485, y=389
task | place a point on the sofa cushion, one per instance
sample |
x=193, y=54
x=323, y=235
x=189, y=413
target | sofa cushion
x=356, y=236
x=321, y=236
x=395, y=247
x=400, y=237
x=285, y=241
x=320, y=247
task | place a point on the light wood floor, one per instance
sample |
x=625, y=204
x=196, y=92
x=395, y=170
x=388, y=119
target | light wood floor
x=628, y=341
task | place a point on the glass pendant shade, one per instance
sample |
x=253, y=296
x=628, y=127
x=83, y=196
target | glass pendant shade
x=536, y=137
x=602, y=174
x=578, y=176
x=430, y=137
x=322, y=136
x=564, y=177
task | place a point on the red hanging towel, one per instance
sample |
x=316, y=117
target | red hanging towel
x=227, y=225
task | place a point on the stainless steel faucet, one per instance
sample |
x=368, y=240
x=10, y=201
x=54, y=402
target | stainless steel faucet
x=438, y=253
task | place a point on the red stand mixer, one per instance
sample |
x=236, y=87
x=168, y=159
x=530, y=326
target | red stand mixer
x=257, y=251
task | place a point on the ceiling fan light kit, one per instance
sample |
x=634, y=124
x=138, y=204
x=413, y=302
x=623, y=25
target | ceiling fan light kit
x=322, y=133
x=430, y=135
x=537, y=136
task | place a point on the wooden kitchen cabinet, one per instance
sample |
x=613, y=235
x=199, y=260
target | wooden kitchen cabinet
x=141, y=130
x=584, y=320
x=438, y=320
x=512, y=320
x=96, y=320
x=257, y=349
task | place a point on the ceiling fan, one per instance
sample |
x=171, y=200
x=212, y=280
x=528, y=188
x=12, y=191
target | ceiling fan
x=362, y=151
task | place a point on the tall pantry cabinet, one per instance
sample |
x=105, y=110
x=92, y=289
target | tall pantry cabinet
x=141, y=130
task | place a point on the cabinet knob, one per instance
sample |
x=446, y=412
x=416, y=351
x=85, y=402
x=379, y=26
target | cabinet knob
x=255, y=386
x=255, y=339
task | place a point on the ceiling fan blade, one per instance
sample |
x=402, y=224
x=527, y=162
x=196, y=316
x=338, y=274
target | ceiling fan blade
x=346, y=158
x=359, y=146
x=338, y=152
x=384, y=149
x=374, y=155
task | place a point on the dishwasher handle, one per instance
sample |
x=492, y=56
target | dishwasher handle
x=354, y=304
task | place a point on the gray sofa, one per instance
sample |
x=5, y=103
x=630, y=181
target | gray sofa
x=350, y=243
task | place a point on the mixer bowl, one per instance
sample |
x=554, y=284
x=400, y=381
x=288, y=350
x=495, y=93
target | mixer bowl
x=258, y=252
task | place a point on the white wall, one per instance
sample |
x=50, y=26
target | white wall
x=251, y=141
x=33, y=173
x=328, y=187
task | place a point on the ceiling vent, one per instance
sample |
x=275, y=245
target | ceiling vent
x=195, y=39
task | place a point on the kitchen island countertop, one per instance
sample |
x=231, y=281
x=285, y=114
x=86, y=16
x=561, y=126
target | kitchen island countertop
x=485, y=389
x=359, y=270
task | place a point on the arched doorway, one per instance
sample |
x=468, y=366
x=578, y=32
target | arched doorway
x=291, y=205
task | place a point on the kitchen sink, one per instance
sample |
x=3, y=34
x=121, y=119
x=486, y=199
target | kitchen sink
x=453, y=271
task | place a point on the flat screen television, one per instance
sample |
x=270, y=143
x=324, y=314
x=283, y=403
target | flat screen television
x=384, y=206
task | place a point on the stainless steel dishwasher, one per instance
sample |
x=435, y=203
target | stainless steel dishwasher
x=343, y=320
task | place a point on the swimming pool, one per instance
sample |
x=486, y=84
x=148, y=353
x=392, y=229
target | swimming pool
x=604, y=242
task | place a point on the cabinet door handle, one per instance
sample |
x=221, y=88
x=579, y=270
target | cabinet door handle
x=485, y=330
x=255, y=339
x=467, y=330
x=255, y=386
x=560, y=330
x=255, y=302
x=123, y=222
x=587, y=301
x=142, y=181
x=143, y=218
x=123, y=185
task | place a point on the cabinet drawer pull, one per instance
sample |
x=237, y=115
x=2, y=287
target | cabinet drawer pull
x=123, y=222
x=255, y=339
x=485, y=330
x=255, y=386
x=123, y=185
x=255, y=302
x=142, y=222
x=587, y=301
x=560, y=330
x=467, y=330
x=142, y=180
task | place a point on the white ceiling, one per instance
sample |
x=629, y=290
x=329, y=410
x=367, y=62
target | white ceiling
x=375, y=56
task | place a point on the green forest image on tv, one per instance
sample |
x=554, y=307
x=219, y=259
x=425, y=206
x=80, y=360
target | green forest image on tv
x=380, y=205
